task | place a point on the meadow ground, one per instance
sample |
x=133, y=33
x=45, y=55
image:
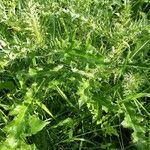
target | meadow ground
x=74, y=74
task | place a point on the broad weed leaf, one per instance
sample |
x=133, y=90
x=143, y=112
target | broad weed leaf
x=36, y=124
x=12, y=144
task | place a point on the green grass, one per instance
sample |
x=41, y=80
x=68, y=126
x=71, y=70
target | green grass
x=74, y=74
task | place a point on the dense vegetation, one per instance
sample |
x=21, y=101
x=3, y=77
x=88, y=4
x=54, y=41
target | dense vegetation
x=74, y=74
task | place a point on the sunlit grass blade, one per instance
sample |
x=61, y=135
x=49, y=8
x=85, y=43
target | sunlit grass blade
x=64, y=96
x=45, y=108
